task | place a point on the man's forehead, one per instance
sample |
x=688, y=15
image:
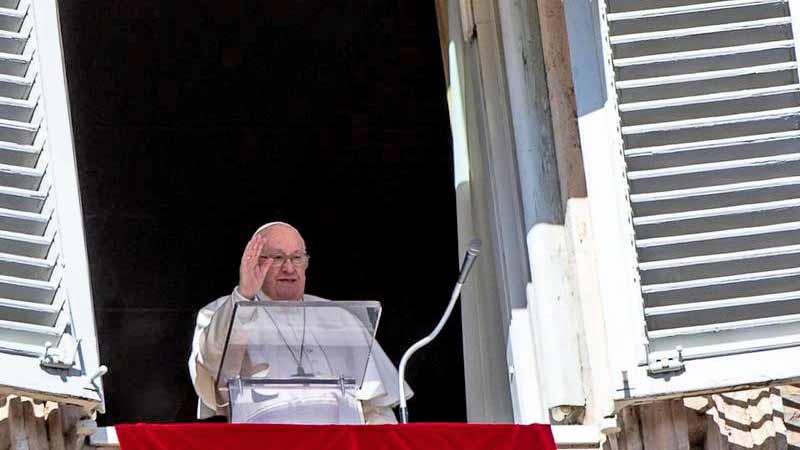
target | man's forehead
x=283, y=238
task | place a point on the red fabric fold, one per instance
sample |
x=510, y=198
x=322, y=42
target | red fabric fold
x=417, y=436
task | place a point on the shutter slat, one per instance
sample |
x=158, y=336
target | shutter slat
x=14, y=64
x=43, y=217
x=720, y=281
x=721, y=305
x=724, y=240
x=13, y=41
x=20, y=125
x=716, y=265
x=17, y=87
x=26, y=80
x=11, y=19
x=708, y=98
x=19, y=132
x=24, y=221
x=44, y=285
x=13, y=58
x=17, y=110
x=36, y=172
x=712, y=121
x=29, y=200
x=32, y=334
x=765, y=161
x=725, y=326
x=704, y=76
x=714, y=190
x=717, y=212
x=20, y=155
x=717, y=235
x=687, y=9
x=34, y=313
x=711, y=144
x=27, y=260
x=20, y=348
x=20, y=35
x=25, y=244
x=699, y=54
x=22, y=148
x=26, y=103
x=719, y=258
x=38, y=194
x=27, y=267
x=19, y=12
x=695, y=31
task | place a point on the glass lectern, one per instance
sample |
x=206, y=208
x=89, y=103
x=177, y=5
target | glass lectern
x=297, y=362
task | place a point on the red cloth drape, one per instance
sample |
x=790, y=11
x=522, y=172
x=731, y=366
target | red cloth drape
x=417, y=436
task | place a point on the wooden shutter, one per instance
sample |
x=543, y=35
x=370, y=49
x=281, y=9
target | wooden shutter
x=701, y=102
x=44, y=300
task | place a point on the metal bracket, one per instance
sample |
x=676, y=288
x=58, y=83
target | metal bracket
x=61, y=356
x=666, y=362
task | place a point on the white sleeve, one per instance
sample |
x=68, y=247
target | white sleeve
x=208, y=345
x=379, y=415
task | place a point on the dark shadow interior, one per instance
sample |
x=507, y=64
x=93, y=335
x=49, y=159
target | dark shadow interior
x=195, y=122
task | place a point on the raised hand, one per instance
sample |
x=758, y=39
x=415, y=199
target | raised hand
x=253, y=268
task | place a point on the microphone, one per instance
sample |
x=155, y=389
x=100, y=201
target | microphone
x=469, y=260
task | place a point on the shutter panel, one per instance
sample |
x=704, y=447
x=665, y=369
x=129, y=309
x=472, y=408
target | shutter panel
x=42, y=348
x=706, y=99
x=709, y=107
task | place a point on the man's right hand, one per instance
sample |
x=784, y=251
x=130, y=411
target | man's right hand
x=253, y=268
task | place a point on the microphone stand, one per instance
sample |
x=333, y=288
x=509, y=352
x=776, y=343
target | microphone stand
x=469, y=259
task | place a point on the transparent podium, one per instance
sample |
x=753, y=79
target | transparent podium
x=297, y=362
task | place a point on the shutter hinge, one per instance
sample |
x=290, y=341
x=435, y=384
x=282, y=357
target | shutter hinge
x=61, y=356
x=666, y=362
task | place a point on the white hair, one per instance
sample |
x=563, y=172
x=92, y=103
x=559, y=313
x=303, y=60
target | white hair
x=272, y=224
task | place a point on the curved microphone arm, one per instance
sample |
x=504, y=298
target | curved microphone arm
x=469, y=260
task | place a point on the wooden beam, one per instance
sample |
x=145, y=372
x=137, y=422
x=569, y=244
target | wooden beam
x=468, y=24
x=630, y=437
x=5, y=438
x=664, y=425
x=55, y=430
x=34, y=427
x=561, y=93
x=16, y=425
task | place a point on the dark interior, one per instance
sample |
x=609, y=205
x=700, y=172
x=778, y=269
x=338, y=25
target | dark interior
x=196, y=122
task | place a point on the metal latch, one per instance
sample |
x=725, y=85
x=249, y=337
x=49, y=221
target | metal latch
x=61, y=356
x=666, y=362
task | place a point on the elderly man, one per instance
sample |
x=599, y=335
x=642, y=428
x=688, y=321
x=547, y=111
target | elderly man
x=273, y=268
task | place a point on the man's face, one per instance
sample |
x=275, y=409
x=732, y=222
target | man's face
x=286, y=279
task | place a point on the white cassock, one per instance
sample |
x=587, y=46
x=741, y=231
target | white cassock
x=375, y=399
